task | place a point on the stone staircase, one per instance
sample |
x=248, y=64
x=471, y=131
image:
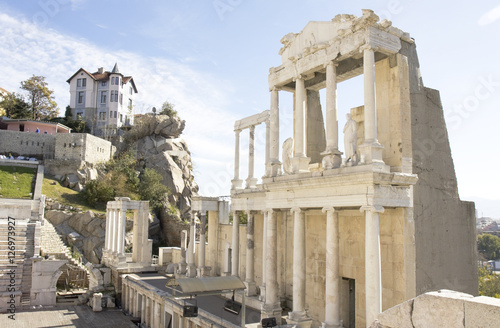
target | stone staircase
x=13, y=268
x=52, y=244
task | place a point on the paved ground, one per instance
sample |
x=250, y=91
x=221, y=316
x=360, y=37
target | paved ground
x=70, y=316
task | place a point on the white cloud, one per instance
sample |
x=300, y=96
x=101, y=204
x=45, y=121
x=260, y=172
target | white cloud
x=200, y=98
x=489, y=17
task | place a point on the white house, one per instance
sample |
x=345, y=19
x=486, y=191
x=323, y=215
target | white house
x=104, y=99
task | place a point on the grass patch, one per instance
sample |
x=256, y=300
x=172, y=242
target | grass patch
x=17, y=182
x=53, y=189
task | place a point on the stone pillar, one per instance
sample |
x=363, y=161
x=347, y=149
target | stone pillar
x=249, y=280
x=373, y=273
x=331, y=154
x=237, y=182
x=191, y=267
x=300, y=162
x=235, y=246
x=332, y=288
x=112, y=230
x=107, y=239
x=201, y=249
x=251, y=181
x=264, y=256
x=272, y=307
x=298, y=316
x=183, y=264
x=121, y=232
x=371, y=149
x=268, y=144
x=274, y=164
x=143, y=310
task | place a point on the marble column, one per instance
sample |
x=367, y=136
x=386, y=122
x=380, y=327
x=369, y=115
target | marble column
x=298, y=315
x=237, y=182
x=262, y=296
x=332, y=286
x=268, y=145
x=249, y=280
x=300, y=162
x=112, y=230
x=201, y=249
x=332, y=153
x=371, y=149
x=272, y=307
x=373, y=273
x=235, y=246
x=274, y=165
x=143, y=309
x=251, y=181
x=121, y=231
x=191, y=267
x=107, y=240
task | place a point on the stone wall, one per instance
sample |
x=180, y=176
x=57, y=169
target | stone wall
x=27, y=144
x=443, y=308
x=82, y=146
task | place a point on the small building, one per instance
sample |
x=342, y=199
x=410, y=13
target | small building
x=105, y=100
x=24, y=125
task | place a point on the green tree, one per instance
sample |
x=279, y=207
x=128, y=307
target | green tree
x=488, y=246
x=40, y=98
x=168, y=109
x=97, y=191
x=15, y=107
x=489, y=283
x=77, y=126
x=151, y=188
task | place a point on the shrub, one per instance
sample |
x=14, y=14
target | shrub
x=97, y=191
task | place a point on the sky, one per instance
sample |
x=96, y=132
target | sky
x=211, y=59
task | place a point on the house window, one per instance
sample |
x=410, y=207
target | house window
x=121, y=118
x=118, y=80
x=115, y=113
x=80, y=97
x=102, y=116
x=81, y=83
x=112, y=81
x=130, y=103
x=111, y=99
x=131, y=90
x=104, y=95
x=103, y=83
x=121, y=98
x=116, y=95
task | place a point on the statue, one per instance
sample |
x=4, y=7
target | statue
x=350, y=140
x=287, y=155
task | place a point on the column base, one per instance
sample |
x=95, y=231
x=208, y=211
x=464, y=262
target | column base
x=299, y=319
x=251, y=288
x=203, y=271
x=273, y=169
x=251, y=183
x=300, y=164
x=332, y=159
x=371, y=152
x=191, y=271
x=326, y=325
x=237, y=184
x=271, y=310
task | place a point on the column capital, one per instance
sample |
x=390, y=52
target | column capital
x=368, y=46
x=372, y=208
x=237, y=131
x=296, y=210
x=299, y=76
x=274, y=88
x=331, y=63
x=328, y=209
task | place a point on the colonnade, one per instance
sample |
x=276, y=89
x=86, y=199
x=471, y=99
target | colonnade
x=115, y=231
x=270, y=285
x=202, y=269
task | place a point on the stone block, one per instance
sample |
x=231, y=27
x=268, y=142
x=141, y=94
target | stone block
x=439, y=309
x=482, y=311
x=399, y=316
x=97, y=302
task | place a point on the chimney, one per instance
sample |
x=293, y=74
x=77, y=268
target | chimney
x=100, y=70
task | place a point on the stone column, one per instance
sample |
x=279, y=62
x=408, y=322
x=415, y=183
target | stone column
x=107, y=240
x=264, y=256
x=201, y=249
x=298, y=316
x=274, y=165
x=235, y=246
x=268, y=145
x=332, y=152
x=237, y=182
x=251, y=181
x=249, y=280
x=272, y=307
x=373, y=274
x=371, y=149
x=332, y=288
x=112, y=216
x=143, y=309
x=121, y=232
x=191, y=268
x=300, y=162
